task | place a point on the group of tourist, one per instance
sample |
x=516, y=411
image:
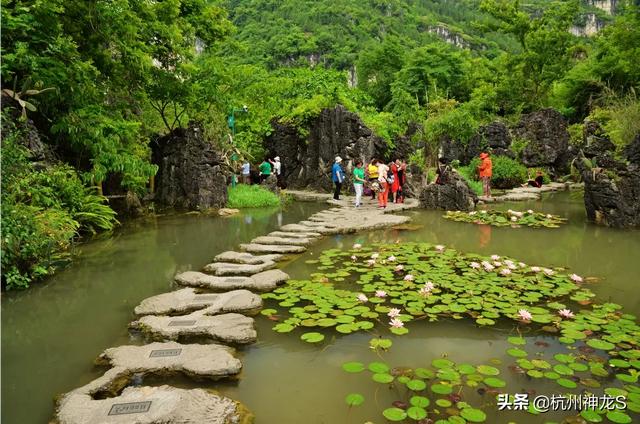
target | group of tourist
x=386, y=181
x=265, y=169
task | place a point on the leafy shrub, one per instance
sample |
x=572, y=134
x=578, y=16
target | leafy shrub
x=251, y=196
x=470, y=176
x=42, y=212
x=507, y=172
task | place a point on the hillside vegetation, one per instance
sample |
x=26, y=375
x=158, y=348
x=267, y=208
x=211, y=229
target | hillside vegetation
x=98, y=80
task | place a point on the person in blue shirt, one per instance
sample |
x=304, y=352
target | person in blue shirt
x=337, y=175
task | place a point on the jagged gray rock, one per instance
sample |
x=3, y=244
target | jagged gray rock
x=187, y=300
x=453, y=194
x=548, y=139
x=261, y=282
x=151, y=405
x=227, y=328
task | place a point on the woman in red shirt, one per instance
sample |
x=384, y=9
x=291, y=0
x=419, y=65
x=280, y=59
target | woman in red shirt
x=485, y=172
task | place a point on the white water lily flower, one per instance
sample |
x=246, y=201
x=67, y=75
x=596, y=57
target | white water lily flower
x=473, y=213
x=371, y=262
x=439, y=247
x=357, y=246
x=354, y=257
x=424, y=292
x=565, y=313
x=488, y=267
x=391, y=258
x=576, y=278
x=497, y=263
x=535, y=268
x=428, y=286
x=381, y=293
x=483, y=211
x=495, y=257
x=529, y=211
x=525, y=315
x=375, y=255
x=522, y=264
x=408, y=277
x=393, y=312
x=399, y=267
x=396, y=323
x=548, y=271
x=505, y=271
x=514, y=219
x=362, y=298
x=549, y=216
x=474, y=265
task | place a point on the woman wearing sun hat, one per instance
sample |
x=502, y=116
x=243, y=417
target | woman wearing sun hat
x=337, y=175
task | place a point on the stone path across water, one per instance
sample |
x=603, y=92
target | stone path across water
x=219, y=315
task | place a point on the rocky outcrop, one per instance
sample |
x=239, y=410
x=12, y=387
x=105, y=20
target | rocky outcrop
x=612, y=190
x=306, y=161
x=453, y=194
x=548, y=140
x=596, y=141
x=493, y=137
x=191, y=172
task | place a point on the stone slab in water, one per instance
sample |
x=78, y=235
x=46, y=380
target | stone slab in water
x=297, y=228
x=292, y=241
x=261, y=282
x=227, y=328
x=201, y=360
x=313, y=224
x=245, y=258
x=150, y=405
x=187, y=300
x=229, y=268
x=285, y=234
x=272, y=248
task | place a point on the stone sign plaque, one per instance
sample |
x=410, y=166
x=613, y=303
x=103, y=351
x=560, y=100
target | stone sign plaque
x=182, y=323
x=164, y=353
x=130, y=408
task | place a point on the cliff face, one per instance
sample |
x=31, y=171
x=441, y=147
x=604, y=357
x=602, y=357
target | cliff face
x=306, y=161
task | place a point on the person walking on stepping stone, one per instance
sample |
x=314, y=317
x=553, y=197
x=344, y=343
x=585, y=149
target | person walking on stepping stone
x=485, y=172
x=337, y=175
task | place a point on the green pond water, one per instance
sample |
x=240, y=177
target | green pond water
x=51, y=334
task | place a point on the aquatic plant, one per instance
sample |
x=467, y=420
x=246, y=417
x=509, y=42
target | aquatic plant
x=509, y=218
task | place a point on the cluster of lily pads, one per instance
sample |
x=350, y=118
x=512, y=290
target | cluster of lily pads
x=511, y=218
x=394, y=284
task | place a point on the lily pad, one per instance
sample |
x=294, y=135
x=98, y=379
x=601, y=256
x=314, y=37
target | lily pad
x=354, y=399
x=473, y=415
x=353, y=367
x=312, y=337
x=394, y=414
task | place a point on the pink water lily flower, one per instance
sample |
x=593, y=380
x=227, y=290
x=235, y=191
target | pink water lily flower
x=525, y=315
x=487, y=266
x=535, y=268
x=495, y=257
x=428, y=286
x=576, y=278
x=474, y=265
x=362, y=298
x=424, y=292
x=565, y=313
x=408, y=277
x=505, y=271
x=375, y=255
x=391, y=258
x=399, y=268
x=357, y=246
x=381, y=293
x=396, y=323
x=439, y=248
x=548, y=271
x=354, y=257
x=497, y=263
x=393, y=312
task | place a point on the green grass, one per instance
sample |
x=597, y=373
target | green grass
x=251, y=196
x=467, y=173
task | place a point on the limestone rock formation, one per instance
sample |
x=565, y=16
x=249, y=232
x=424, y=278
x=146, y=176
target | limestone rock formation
x=548, y=140
x=191, y=172
x=612, y=194
x=494, y=137
x=307, y=161
x=453, y=194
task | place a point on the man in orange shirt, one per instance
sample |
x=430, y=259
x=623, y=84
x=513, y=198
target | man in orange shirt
x=484, y=169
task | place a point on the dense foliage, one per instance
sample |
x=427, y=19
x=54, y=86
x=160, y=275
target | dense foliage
x=251, y=196
x=100, y=78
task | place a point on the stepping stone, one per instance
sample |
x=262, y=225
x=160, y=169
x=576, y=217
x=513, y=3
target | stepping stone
x=292, y=241
x=227, y=328
x=187, y=300
x=228, y=268
x=151, y=405
x=297, y=228
x=261, y=282
x=285, y=234
x=272, y=248
x=317, y=224
x=245, y=258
